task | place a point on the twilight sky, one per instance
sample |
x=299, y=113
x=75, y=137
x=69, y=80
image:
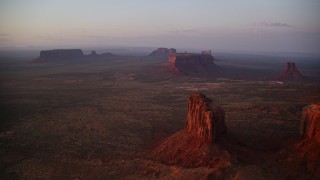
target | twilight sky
x=229, y=25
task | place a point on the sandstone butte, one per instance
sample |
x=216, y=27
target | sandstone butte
x=163, y=52
x=204, y=120
x=188, y=63
x=309, y=147
x=310, y=122
x=291, y=73
x=198, y=143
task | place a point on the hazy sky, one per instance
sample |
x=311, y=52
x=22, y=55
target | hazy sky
x=232, y=25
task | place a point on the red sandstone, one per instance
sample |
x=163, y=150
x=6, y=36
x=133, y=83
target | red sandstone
x=193, y=146
x=310, y=122
x=204, y=120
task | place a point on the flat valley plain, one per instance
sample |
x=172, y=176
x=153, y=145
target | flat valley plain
x=100, y=119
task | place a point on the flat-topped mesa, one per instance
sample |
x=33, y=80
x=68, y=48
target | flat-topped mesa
x=188, y=58
x=310, y=122
x=69, y=55
x=204, y=120
x=60, y=54
x=163, y=52
x=192, y=63
x=291, y=72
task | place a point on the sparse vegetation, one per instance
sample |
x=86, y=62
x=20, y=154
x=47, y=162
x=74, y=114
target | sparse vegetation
x=95, y=120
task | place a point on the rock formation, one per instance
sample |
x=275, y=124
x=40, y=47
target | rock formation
x=291, y=72
x=197, y=144
x=67, y=55
x=163, y=52
x=94, y=54
x=60, y=55
x=309, y=147
x=310, y=122
x=192, y=63
x=204, y=121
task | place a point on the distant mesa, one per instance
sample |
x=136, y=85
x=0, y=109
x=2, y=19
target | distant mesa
x=62, y=55
x=94, y=54
x=290, y=73
x=188, y=63
x=310, y=122
x=198, y=143
x=106, y=55
x=163, y=52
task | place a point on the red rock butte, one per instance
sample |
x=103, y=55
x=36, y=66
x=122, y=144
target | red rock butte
x=309, y=147
x=197, y=144
x=291, y=72
x=310, y=122
x=204, y=120
x=192, y=62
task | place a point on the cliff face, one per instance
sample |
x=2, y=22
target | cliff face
x=192, y=63
x=309, y=147
x=204, y=121
x=310, y=122
x=193, y=146
x=60, y=54
x=163, y=52
x=291, y=72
